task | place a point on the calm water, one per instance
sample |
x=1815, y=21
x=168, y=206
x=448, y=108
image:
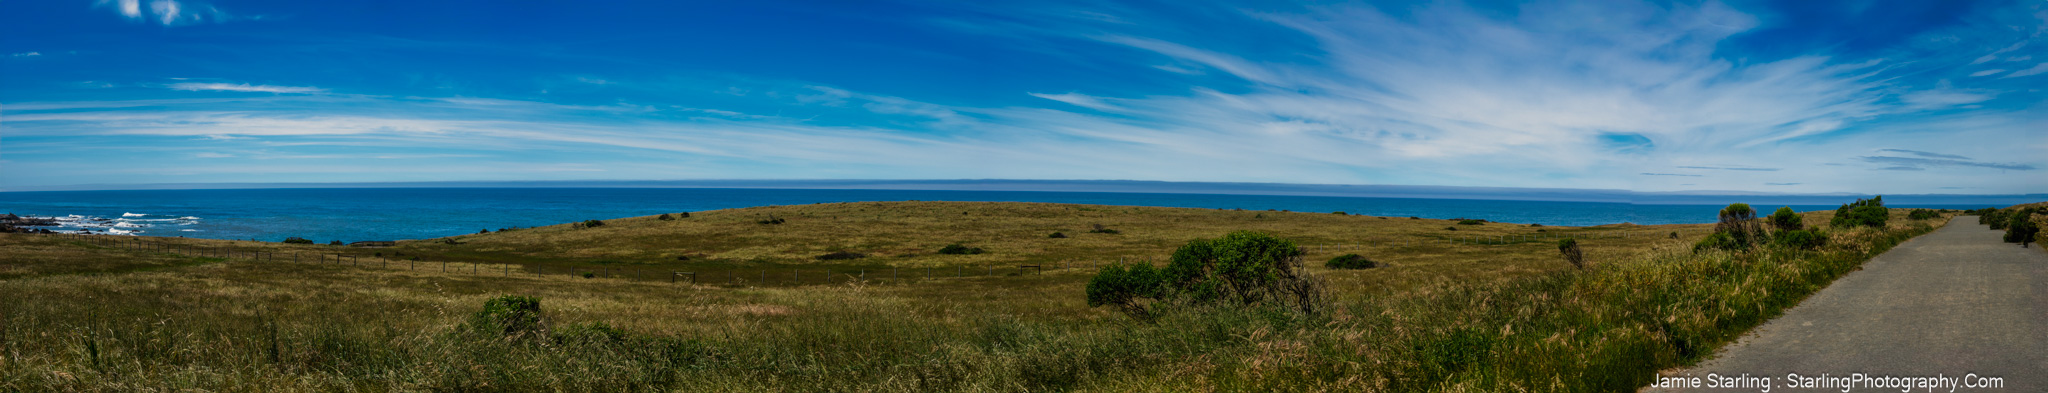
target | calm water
x=353, y=214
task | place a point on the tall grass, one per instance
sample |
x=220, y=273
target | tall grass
x=247, y=327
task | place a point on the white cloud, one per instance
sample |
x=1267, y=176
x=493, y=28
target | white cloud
x=2038, y=68
x=1077, y=99
x=1986, y=72
x=171, y=12
x=27, y=54
x=244, y=87
x=213, y=155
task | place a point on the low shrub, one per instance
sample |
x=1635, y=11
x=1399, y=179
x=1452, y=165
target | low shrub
x=957, y=249
x=665, y=217
x=1923, y=214
x=772, y=220
x=841, y=255
x=1786, y=220
x=334, y=243
x=1471, y=222
x=1100, y=229
x=1450, y=228
x=1535, y=225
x=1801, y=239
x=1569, y=248
x=1338, y=213
x=591, y=223
x=1125, y=286
x=1057, y=235
x=1350, y=261
x=2020, y=228
x=509, y=316
x=297, y=240
x=589, y=275
x=1863, y=212
x=483, y=231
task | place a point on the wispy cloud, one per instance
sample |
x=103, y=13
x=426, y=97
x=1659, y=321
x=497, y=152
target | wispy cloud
x=2038, y=68
x=244, y=87
x=1668, y=174
x=1925, y=154
x=1782, y=184
x=1732, y=168
x=170, y=12
x=1922, y=163
x=27, y=54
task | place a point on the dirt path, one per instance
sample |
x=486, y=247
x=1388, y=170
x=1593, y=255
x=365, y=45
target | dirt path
x=1947, y=304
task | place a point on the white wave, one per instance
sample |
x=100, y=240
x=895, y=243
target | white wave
x=188, y=218
x=133, y=214
x=130, y=225
x=189, y=230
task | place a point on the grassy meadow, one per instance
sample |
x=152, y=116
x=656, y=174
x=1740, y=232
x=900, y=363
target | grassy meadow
x=1486, y=307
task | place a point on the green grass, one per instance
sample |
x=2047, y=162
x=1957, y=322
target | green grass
x=1442, y=317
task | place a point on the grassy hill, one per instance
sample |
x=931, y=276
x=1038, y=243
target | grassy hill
x=1454, y=312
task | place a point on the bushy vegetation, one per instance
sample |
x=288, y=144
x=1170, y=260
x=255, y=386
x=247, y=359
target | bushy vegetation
x=1126, y=286
x=1056, y=235
x=1471, y=222
x=1736, y=229
x=1863, y=212
x=1350, y=261
x=958, y=249
x=590, y=224
x=334, y=243
x=1104, y=230
x=1241, y=269
x=1787, y=220
x=772, y=220
x=841, y=255
x=509, y=316
x=665, y=217
x=1572, y=254
x=2021, y=228
x=1923, y=214
x=297, y=240
x=1801, y=239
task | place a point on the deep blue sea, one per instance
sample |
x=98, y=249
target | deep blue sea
x=354, y=214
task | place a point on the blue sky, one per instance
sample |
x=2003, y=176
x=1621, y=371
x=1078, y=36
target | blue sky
x=1796, y=97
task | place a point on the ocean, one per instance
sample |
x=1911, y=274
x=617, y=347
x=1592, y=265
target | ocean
x=356, y=214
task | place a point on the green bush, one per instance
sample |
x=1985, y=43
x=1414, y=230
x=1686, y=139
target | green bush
x=1101, y=229
x=1057, y=235
x=297, y=240
x=1801, y=239
x=1863, y=212
x=1996, y=218
x=334, y=243
x=664, y=217
x=1450, y=228
x=510, y=316
x=772, y=220
x=1923, y=214
x=1243, y=268
x=1719, y=241
x=592, y=223
x=1786, y=220
x=1471, y=222
x=841, y=255
x=2020, y=228
x=957, y=249
x=1350, y=261
x=1572, y=254
x=1338, y=213
x=1124, y=286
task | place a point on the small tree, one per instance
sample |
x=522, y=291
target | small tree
x=1863, y=212
x=1572, y=253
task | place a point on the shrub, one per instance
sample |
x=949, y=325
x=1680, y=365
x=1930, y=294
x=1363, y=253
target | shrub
x=1869, y=213
x=682, y=257
x=1057, y=235
x=1414, y=218
x=1338, y=213
x=334, y=243
x=1923, y=214
x=483, y=231
x=1786, y=220
x=1535, y=225
x=2021, y=228
x=592, y=223
x=1996, y=218
x=1802, y=239
x=510, y=316
x=957, y=249
x=1124, y=286
x=1100, y=229
x=1243, y=268
x=1570, y=249
x=1736, y=229
x=772, y=220
x=589, y=275
x=665, y=217
x=1471, y=222
x=1350, y=261
x=841, y=255
x=1450, y=228
x=297, y=240
x=1674, y=234
x=590, y=333
x=1719, y=241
